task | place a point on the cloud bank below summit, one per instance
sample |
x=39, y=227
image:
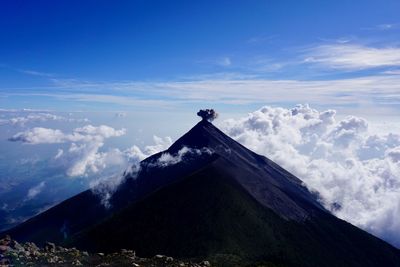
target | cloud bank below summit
x=84, y=156
x=356, y=173
x=355, y=170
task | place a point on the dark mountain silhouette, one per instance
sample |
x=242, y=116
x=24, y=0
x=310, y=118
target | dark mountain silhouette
x=219, y=201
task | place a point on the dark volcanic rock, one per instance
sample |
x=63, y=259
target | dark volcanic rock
x=28, y=254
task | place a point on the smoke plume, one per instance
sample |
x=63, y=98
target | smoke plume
x=207, y=114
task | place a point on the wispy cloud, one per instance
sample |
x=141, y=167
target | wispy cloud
x=353, y=56
x=384, y=27
x=372, y=90
x=261, y=39
x=392, y=72
x=36, y=73
x=224, y=61
x=36, y=190
x=36, y=117
x=28, y=71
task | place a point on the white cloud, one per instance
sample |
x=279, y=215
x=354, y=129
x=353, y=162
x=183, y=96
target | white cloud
x=36, y=190
x=363, y=90
x=378, y=91
x=384, y=27
x=105, y=187
x=341, y=159
x=354, y=56
x=60, y=152
x=83, y=156
x=392, y=72
x=129, y=161
x=36, y=73
x=160, y=145
x=39, y=135
x=225, y=62
x=167, y=159
x=36, y=117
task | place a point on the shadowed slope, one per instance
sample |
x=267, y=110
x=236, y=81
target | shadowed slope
x=209, y=215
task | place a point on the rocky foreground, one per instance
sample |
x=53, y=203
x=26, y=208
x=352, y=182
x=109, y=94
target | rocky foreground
x=13, y=253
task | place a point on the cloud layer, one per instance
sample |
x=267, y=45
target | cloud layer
x=354, y=56
x=35, y=117
x=356, y=173
x=83, y=155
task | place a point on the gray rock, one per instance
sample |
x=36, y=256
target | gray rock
x=50, y=247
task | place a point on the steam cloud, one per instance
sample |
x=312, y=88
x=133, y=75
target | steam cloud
x=357, y=173
x=207, y=114
x=106, y=187
x=166, y=159
x=131, y=158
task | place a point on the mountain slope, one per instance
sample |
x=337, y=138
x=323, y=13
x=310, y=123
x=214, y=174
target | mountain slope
x=208, y=196
x=209, y=215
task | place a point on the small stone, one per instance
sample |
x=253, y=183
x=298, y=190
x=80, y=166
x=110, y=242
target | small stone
x=17, y=246
x=169, y=259
x=50, y=247
x=206, y=263
x=85, y=253
x=159, y=256
x=100, y=254
x=4, y=262
x=4, y=248
x=77, y=263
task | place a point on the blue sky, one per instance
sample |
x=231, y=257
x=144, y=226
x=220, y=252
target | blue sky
x=180, y=55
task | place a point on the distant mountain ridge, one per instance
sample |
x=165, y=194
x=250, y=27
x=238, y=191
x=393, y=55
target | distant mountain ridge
x=229, y=204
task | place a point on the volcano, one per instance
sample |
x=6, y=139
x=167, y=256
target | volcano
x=208, y=196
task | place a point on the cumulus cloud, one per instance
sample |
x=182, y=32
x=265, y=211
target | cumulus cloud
x=83, y=155
x=356, y=173
x=39, y=135
x=36, y=190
